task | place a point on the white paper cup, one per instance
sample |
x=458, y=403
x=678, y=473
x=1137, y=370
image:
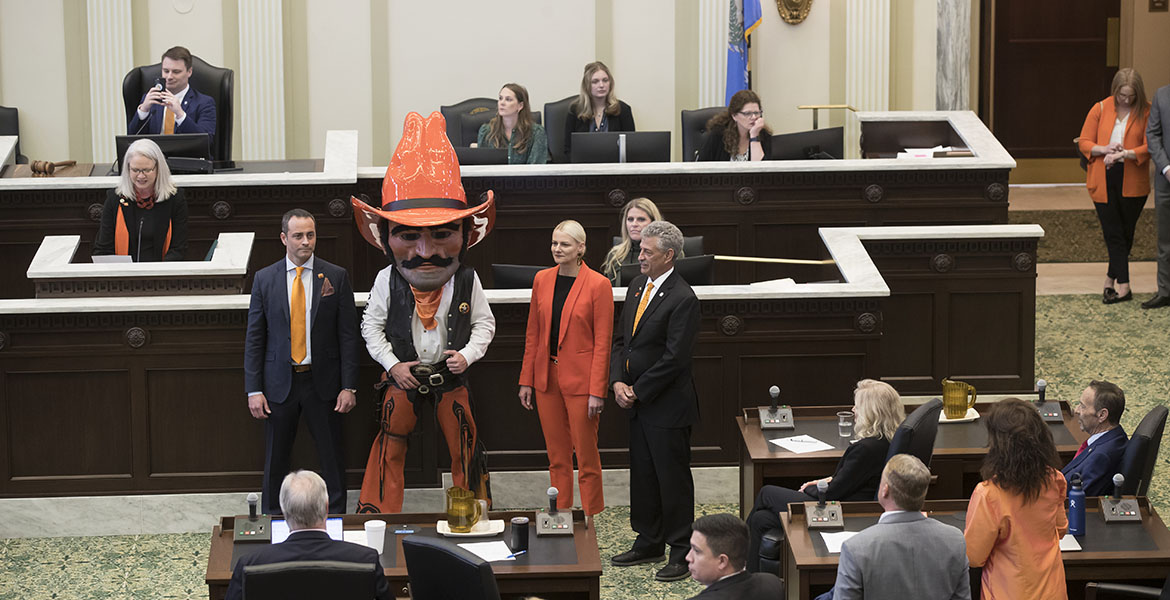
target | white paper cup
x=375, y=534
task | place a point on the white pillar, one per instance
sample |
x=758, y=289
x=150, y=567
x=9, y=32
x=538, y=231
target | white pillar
x=867, y=60
x=953, y=71
x=111, y=50
x=260, y=82
x=713, y=15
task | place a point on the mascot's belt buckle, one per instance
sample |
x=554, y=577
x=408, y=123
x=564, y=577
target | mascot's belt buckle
x=432, y=378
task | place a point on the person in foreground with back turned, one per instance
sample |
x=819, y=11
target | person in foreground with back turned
x=716, y=560
x=739, y=134
x=651, y=377
x=596, y=108
x=878, y=412
x=305, y=504
x=905, y=555
x=566, y=364
x=1016, y=516
x=145, y=216
x=636, y=214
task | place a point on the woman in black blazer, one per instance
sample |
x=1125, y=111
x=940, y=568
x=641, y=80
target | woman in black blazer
x=878, y=412
x=596, y=107
x=739, y=134
x=145, y=216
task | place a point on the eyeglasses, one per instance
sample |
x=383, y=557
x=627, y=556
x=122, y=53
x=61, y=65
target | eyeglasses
x=752, y=114
x=146, y=171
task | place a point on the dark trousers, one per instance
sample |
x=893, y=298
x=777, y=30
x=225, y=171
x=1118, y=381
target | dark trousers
x=662, y=493
x=280, y=431
x=1118, y=217
x=765, y=516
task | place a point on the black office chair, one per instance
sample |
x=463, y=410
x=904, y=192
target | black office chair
x=216, y=82
x=694, y=126
x=915, y=436
x=558, y=113
x=454, y=113
x=10, y=125
x=1141, y=451
x=309, y=580
x=441, y=570
x=692, y=245
x=1095, y=590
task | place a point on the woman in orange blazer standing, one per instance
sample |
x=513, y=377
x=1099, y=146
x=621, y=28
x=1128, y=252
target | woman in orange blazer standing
x=1113, y=140
x=566, y=364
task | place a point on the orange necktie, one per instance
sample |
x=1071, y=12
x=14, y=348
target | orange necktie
x=299, y=349
x=642, y=305
x=168, y=122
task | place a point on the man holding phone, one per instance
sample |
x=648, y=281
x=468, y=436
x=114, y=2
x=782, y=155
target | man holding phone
x=172, y=105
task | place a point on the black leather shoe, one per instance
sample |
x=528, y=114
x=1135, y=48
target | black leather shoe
x=634, y=557
x=1115, y=298
x=673, y=572
x=1156, y=302
x=1109, y=296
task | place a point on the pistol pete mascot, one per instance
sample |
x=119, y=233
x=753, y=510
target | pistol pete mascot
x=427, y=318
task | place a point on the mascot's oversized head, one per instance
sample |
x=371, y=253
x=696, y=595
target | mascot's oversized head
x=425, y=222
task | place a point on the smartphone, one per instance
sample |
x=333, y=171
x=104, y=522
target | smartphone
x=160, y=82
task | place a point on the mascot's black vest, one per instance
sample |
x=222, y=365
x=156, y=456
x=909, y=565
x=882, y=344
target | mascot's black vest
x=400, y=312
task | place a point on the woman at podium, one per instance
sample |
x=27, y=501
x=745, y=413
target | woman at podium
x=566, y=364
x=878, y=412
x=145, y=216
x=739, y=134
x=514, y=129
x=636, y=214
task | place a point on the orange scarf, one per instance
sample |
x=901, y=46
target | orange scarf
x=426, y=304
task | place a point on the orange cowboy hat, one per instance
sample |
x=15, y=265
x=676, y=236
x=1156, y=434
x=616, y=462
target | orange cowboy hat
x=422, y=187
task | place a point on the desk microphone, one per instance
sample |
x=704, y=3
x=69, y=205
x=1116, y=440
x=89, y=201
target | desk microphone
x=140, y=222
x=1118, y=481
x=774, y=392
x=252, y=500
x=1041, y=385
x=822, y=488
x=552, y=500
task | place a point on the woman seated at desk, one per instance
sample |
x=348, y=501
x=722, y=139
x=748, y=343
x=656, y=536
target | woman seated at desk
x=878, y=412
x=513, y=128
x=636, y=214
x=739, y=134
x=596, y=107
x=1016, y=516
x=145, y=216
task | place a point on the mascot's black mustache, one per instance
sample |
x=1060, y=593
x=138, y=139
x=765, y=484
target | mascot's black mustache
x=419, y=261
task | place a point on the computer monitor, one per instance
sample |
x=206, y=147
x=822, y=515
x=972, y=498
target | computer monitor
x=481, y=156
x=602, y=146
x=695, y=270
x=175, y=145
x=818, y=143
x=514, y=277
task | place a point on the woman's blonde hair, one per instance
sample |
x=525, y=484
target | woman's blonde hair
x=164, y=186
x=498, y=138
x=1133, y=79
x=879, y=409
x=612, y=266
x=583, y=105
x=574, y=230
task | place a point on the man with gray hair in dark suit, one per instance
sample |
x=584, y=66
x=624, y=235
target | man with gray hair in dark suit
x=1156, y=141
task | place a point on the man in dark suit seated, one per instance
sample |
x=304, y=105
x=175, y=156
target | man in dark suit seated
x=905, y=555
x=178, y=107
x=718, y=560
x=305, y=503
x=1099, y=415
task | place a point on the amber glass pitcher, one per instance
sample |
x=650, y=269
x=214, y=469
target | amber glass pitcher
x=464, y=510
x=957, y=398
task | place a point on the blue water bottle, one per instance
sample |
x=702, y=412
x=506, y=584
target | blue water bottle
x=1076, y=507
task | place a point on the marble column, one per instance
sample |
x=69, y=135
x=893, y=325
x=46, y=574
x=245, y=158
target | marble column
x=260, y=82
x=111, y=52
x=953, y=73
x=867, y=61
x=713, y=16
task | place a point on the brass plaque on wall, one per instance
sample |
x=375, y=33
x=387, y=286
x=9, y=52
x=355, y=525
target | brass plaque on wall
x=793, y=11
x=1159, y=5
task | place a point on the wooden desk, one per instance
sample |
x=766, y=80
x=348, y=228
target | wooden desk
x=1128, y=552
x=580, y=580
x=959, y=449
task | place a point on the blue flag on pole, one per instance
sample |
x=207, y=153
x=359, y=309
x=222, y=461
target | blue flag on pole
x=744, y=17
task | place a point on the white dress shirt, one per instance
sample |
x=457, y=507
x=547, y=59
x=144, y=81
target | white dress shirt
x=429, y=344
x=179, y=98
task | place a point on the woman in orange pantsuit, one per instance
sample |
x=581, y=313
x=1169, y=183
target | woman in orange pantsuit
x=566, y=364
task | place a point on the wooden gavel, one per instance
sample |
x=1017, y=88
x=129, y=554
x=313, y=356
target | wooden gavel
x=44, y=168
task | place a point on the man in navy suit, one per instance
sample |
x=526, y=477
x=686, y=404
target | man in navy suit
x=178, y=104
x=303, y=360
x=650, y=372
x=1099, y=415
x=304, y=502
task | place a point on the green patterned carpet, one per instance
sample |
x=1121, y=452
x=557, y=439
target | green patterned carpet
x=1077, y=339
x=1075, y=235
